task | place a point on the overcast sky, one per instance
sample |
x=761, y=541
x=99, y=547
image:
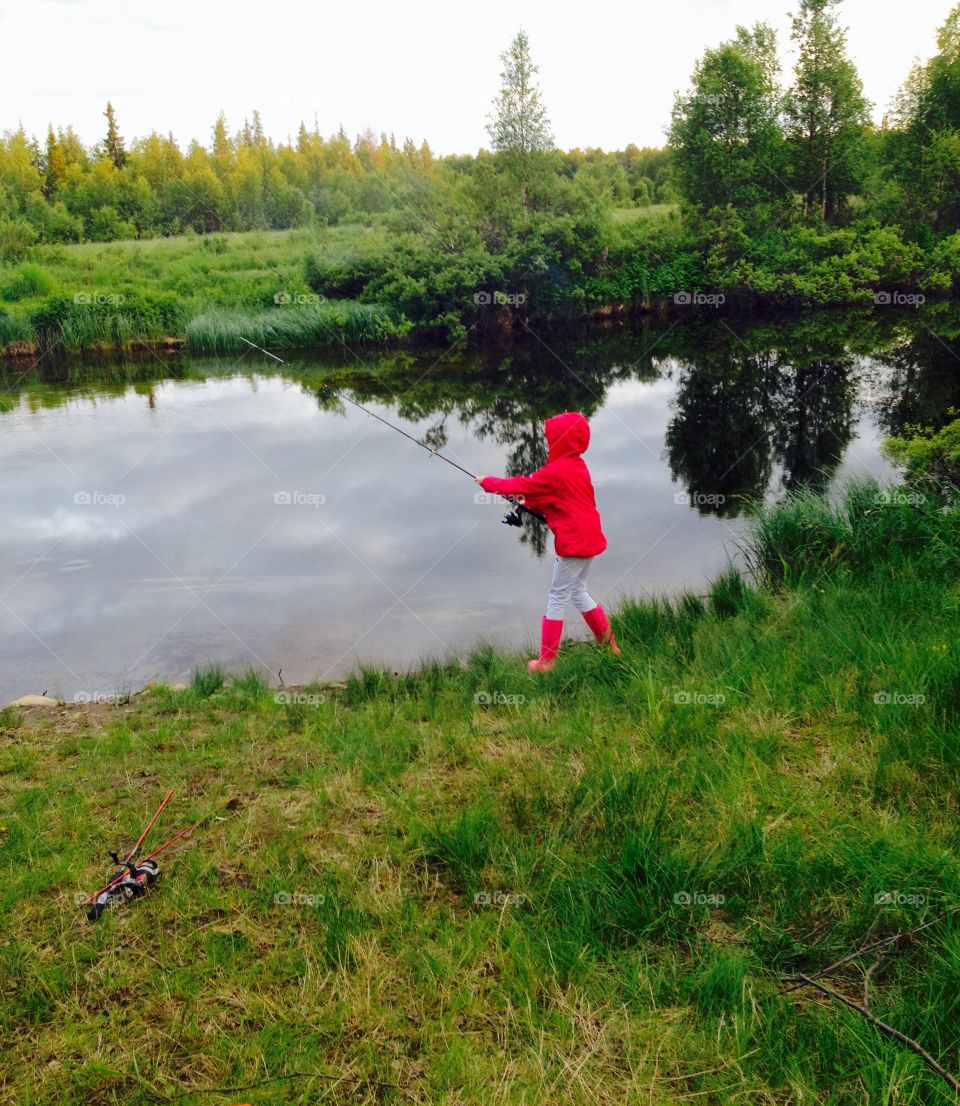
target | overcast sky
x=424, y=68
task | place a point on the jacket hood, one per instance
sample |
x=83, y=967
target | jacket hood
x=568, y=435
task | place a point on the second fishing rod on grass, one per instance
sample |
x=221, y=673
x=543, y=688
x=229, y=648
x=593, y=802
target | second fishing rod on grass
x=512, y=518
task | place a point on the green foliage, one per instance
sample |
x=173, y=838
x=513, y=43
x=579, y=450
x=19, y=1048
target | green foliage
x=326, y=323
x=825, y=114
x=809, y=534
x=16, y=238
x=928, y=455
x=725, y=133
x=208, y=681
x=24, y=281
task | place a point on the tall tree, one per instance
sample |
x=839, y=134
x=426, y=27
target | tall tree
x=518, y=122
x=725, y=132
x=825, y=112
x=113, y=143
x=56, y=164
x=925, y=147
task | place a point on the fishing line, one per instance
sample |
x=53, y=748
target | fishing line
x=373, y=415
x=512, y=519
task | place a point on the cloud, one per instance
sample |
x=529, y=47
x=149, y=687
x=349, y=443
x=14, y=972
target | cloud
x=67, y=526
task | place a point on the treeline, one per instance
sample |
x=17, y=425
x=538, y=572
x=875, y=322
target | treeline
x=62, y=191
x=788, y=194
x=790, y=189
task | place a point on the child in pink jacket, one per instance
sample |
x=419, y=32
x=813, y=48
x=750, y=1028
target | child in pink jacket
x=562, y=492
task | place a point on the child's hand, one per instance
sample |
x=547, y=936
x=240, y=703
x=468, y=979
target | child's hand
x=479, y=480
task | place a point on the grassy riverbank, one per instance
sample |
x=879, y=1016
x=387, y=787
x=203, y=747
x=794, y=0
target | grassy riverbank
x=326, y=287
x=201, y=289
x=469, y=885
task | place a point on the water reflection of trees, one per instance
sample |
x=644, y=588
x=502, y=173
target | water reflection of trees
x=923, y=388
x=748, y=404
x=759, y=404
x=740, y=414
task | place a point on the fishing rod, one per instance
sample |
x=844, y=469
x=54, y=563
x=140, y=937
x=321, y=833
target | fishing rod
x=132, y=879
x=127, y=871
x=512, y=519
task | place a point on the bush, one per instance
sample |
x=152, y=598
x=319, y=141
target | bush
x=867, y=524
x=325, y=324
x=928, y=455
x=16, y=238
x=24, y=282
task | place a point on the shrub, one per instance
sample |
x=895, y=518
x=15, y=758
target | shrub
x=25, y=281
x=928, y=455
x=16, y=238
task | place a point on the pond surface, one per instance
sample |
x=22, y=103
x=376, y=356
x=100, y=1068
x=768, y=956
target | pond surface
x=160, y=515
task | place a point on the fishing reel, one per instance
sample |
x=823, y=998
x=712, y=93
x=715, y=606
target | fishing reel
x=515, y=516
x=132, y=880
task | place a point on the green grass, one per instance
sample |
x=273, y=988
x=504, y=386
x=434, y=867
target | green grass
x=326, y=323
x=485, y=886
x=98, y=296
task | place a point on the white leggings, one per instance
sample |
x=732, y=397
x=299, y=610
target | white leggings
x=569, y=582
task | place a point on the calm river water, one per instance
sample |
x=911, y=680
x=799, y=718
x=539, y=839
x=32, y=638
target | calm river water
x=157, y=516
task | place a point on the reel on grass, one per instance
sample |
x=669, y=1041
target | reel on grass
x=130, y=881
x=132, y=878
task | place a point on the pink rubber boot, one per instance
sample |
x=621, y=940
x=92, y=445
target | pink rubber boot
x=600, y=625
x=551, y=630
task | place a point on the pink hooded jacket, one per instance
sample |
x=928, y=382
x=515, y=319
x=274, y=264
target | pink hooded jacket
x=562, y=490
